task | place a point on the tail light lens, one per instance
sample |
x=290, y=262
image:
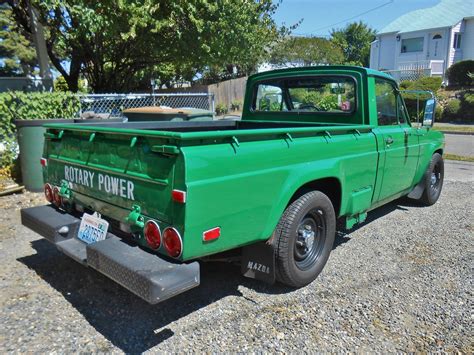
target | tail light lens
x=57, y=199
x=48, y=192
x=172, y=242
x=152, y=234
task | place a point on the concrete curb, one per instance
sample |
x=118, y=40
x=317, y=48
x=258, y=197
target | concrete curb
x=457, y=132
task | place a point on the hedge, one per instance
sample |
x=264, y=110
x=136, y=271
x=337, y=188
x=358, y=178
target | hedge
x=458, y=73
x=426, y=83
x=17, y=105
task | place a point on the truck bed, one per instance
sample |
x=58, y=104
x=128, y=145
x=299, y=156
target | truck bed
x=212, y=129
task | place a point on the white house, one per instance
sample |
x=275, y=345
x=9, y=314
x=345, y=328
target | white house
x=426, y=41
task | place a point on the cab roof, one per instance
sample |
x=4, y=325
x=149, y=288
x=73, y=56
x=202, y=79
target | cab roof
x=322, y=68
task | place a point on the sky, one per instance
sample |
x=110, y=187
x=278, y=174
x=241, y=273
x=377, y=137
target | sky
x=320, y=16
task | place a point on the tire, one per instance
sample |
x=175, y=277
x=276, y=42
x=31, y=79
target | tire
x=433, y=178
x=304, y=238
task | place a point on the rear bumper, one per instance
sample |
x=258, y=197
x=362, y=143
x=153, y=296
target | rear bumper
x=146, y=275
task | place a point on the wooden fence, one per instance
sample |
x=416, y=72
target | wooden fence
x=228, y=91
x=224, y=92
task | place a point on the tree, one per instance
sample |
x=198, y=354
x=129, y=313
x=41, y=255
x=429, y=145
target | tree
x=16, y=50
x=354, y=40
x=306, y=51
x=120, y=45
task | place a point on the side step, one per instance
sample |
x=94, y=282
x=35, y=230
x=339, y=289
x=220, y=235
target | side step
x=147, y=275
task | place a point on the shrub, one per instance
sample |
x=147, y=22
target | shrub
x=221, y=109
x=467, y=107
x=17, y=105
x=458, y=73
x=451, y=111
x=236, y=105
x=431, y=83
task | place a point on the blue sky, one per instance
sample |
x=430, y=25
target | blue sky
x=320, y=16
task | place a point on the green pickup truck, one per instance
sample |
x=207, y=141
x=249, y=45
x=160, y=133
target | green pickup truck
x=144, y=202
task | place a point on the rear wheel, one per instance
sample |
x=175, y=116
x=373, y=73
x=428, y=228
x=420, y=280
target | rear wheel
x=304, y=238
x=434, y=178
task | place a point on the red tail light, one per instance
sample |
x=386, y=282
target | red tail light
x=152, y=234
x=48, y=192
x=57, y=199
x=178, y=196
x=44, y=162
x=172, y=242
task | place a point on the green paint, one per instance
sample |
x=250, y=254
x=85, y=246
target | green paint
x=241, y=180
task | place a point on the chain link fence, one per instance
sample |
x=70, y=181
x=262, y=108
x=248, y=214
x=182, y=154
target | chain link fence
x=408, y=74
x=112, y=105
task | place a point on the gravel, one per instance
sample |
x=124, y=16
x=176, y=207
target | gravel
x=400, y=282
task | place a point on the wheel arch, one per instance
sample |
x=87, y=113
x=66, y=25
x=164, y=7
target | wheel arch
x=330, y=186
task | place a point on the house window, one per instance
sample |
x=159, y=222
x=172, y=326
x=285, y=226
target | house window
x=437, y=36
x=412, y=45
x=457, y=40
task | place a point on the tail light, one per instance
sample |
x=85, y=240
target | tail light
x=48, y=192
x=44, y=162
x=57, y=199
x=172, y=242
x=152, y=234
x=178, y=196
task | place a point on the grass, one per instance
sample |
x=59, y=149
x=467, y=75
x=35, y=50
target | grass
x=441, y=127
x=458, y=157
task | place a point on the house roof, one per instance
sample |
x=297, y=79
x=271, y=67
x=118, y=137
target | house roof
x=445, y=14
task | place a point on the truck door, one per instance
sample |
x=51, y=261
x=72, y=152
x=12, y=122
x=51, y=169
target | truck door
x=397, y=141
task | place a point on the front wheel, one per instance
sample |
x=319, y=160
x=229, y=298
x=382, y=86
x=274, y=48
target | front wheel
x=304, y=238
x=434, y=178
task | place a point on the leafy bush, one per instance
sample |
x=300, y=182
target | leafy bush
x=221, y=109
x=431, y=83
x=236, y=105
x=458, y=73
x=451, y=111
x=17, y=105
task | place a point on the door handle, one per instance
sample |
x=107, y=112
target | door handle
x=389, y=140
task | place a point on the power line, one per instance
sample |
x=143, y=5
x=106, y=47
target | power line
x=354, y=17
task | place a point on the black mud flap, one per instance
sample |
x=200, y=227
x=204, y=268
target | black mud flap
x=258, y=262
x=147, y=275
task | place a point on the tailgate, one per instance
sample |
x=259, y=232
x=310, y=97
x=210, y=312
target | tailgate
x=113, y=168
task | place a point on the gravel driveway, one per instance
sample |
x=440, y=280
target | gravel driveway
x=400, y=282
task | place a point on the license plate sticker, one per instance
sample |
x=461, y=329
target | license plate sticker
x=92, y=229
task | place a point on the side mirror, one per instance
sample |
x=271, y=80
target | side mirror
x=429, y=115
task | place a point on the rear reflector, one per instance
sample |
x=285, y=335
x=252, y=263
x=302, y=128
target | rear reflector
x=57, y=199
x=172, y=242
x=211, y=234
x=44, y=162
x=48, y=192
x=152, y=234
x=178, y=196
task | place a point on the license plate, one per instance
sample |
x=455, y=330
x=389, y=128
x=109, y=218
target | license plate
x=92, y=229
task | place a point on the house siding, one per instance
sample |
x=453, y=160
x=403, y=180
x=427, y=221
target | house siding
x=467, y=43
x=455, y=55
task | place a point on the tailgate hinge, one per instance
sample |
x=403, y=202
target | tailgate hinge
x=165, y=149
x=54, y=136
x=135, y=217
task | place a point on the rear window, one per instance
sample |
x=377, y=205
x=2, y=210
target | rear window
x=306, y=94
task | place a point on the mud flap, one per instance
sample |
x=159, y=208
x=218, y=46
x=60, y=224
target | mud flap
x=258, y=262
x=417, y=190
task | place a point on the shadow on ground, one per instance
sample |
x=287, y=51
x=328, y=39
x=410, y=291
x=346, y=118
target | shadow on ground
x=130, y=323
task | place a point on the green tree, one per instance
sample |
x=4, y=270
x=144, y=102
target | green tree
x=120, y=45
x=354, y=41
x=16, y=50
x=307, y=51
